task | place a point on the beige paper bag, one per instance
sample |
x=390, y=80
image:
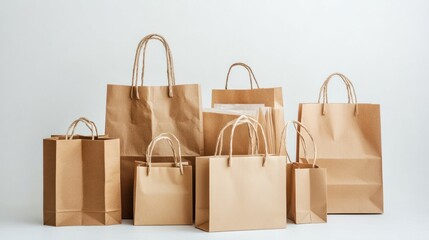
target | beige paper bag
x=127, y=178
x=163, y=191
x=270, y=97
x=274, y=119
x=348, y=137
x=81, y=182
x=136, y=114
x=306, y=185
x=240, y=192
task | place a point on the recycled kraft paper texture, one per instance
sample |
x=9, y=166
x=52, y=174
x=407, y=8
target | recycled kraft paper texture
x=136, y=114
x=241, y=192
x=306, y=183
x=272, y=121
x=81, y=182
x=163, y=191
x=348, y=137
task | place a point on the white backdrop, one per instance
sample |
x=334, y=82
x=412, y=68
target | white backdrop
x=57, y=56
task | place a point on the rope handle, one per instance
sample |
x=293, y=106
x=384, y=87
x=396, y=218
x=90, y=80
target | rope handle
x=90, y=124
x=254, y=138
x=170, y=67
x=177, y=155
x=351, y=92
x=243, y=119
x=252, y=77
x=297, y=125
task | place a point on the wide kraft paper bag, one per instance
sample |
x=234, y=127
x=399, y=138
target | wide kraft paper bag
x=348, y=137
x=81, y=180
x=240, y=192
x=136, y=114
x=306, y=184
x=163, y=191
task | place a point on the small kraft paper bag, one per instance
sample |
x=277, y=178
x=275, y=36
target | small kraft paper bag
x=306, y=183
x=263, y=104
x=136, y=114
x=348, y=138
x=81, y=182
x=127, y=178
x=240, y=192
x=163, y=191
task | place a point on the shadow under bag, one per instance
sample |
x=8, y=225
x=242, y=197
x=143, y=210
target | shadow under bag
x=348, y=138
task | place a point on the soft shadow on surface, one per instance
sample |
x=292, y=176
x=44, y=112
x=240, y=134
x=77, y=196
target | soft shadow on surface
x=28, y=215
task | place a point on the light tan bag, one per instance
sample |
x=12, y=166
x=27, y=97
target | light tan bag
x=136, y=114
x=274, y=119
x=306, y=184
x=163, y=191
x=348, y=137
x=240, y=192
x=81, y=182
x=270, y=97
x=127, y=178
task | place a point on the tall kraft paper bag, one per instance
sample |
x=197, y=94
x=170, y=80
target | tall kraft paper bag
x=306, y=184
x=348, y=137
x=270, y=97
x=81, y=182
x=136, y=114
x=242, y=192
x=163, y=191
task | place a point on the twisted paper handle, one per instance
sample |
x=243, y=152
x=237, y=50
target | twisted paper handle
x=170, y=67
x=297, y=125
x=90, y=124
x=243, y=119
x=252, y=77
x=177, y=155
x=351, y=93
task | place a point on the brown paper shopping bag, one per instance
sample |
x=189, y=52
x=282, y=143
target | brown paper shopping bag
x=127, y=178
x=136, y=114
x=242, y=192
x=306, y=184
x=271, y=117
x=270, y=97
x=348, y=137
x=163, y=191
x=81, y=182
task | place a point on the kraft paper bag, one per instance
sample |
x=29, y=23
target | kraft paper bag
x=306, y=185
x=272, y=120
x=348, y=137
x=81, y=182
x=163, y=191
x=270, y=97
x=244, y=192
x=136, y=114
x=127, y=178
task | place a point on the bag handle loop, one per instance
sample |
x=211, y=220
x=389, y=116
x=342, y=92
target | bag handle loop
x=252, y=77
x=177, y=155
x=254, y=146
x=297, y=125
x=351, y=92
x=170, y=67
x=90, y=124
x=243, y=119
